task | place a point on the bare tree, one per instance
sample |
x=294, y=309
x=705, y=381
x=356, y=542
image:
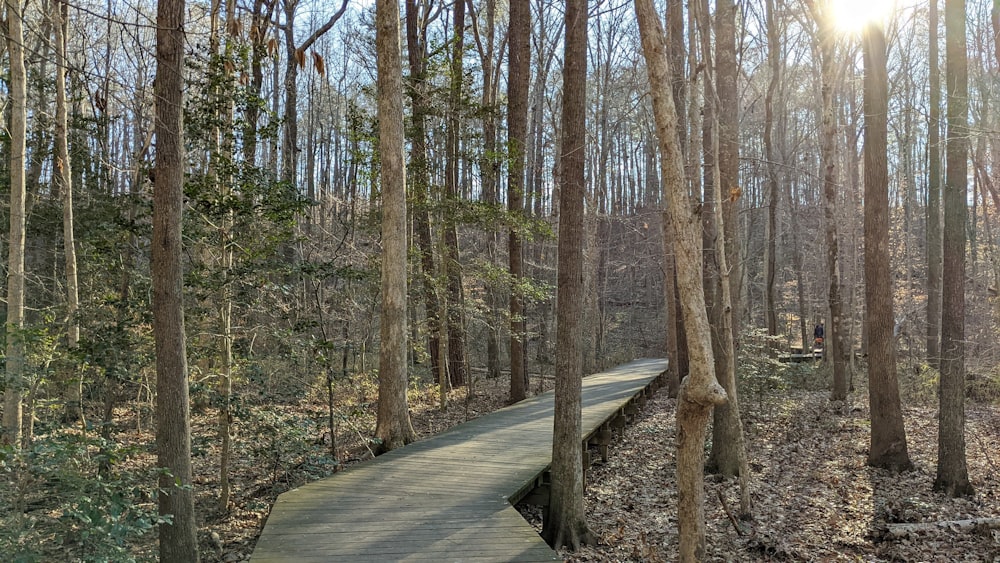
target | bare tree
x=296, y=57
x=64, y=179
x=837, y=345
x=952, y=471
x=418, y=15
x=567, y=523
x=14, y=380
x=774, y=65
x=393, y=428
x=728, y=455
x=888, y=436
x=178, y=539
x=451, y=260
x=934, y=234
x=700, y=391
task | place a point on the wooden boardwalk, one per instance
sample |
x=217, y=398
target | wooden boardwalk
x=449, y=497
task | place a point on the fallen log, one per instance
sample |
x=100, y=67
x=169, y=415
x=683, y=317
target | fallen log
x=898, y=531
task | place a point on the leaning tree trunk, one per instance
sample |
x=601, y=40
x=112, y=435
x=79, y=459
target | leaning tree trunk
x=700, y=392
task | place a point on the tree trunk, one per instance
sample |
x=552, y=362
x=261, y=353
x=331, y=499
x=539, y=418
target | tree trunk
x=519, y=57
x=566, y=524
x=727, y=71
x=392, y=428
x=934, y=233
x=771, y=234
x=490, y=173
x=416, y=40
x=835, y=343
x=224, y=385
x=728, y=455
x=677, y=342
x=14, y=380
x=700, y=392
x=64, y=180
x=451, y=260
x=178, y=540
x=888, y=436
x=952, y=471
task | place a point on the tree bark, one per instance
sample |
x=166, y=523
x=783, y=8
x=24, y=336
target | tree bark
x=416, y=49
x=774, y=65
x=835, y=344
x=566, y=524
x=888, y=436
x=451, y=259
x=519, y=63
x=392, y=427
x=728, y=454
x=14, y=372
x=952, y=471
x=178, y=540
x=700, y=391
x=934, y=234
x=64, y=180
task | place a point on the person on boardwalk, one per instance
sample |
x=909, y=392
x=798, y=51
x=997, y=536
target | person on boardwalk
x=818, y=334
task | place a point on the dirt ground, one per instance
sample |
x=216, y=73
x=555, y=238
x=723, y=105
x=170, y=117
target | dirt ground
x=814, y=497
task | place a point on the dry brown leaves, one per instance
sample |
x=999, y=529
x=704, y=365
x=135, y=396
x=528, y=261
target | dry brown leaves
x=815, y=499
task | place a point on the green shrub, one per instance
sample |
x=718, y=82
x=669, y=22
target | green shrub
x=65, y=497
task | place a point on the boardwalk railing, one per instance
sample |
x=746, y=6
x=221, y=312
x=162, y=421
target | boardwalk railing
x=450, y=497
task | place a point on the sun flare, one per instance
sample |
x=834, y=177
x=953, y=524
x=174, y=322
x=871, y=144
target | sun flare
x=851, y=15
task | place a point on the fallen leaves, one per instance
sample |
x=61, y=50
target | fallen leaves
x=815, y=499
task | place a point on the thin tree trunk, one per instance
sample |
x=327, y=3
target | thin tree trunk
x=416, y=40
x=393, y=428
x=771, y=233
x=451, y=261
x=728, y=454
x=676, y=339
x=700, y=392
x=566, y=524
x=934, y=233
x=14, y=372
x=178, y=540
x=64, y=179
x=835, y=341
x=490, y=172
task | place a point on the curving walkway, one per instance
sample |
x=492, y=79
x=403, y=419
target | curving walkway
x=449, y=497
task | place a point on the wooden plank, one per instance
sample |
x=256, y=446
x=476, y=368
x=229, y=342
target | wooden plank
x=445, y=498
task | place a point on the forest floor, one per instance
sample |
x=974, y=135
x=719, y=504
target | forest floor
x=814, y=497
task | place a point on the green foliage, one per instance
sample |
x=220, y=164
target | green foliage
x=286, y=443
x=758, y=372
x=90, y=510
